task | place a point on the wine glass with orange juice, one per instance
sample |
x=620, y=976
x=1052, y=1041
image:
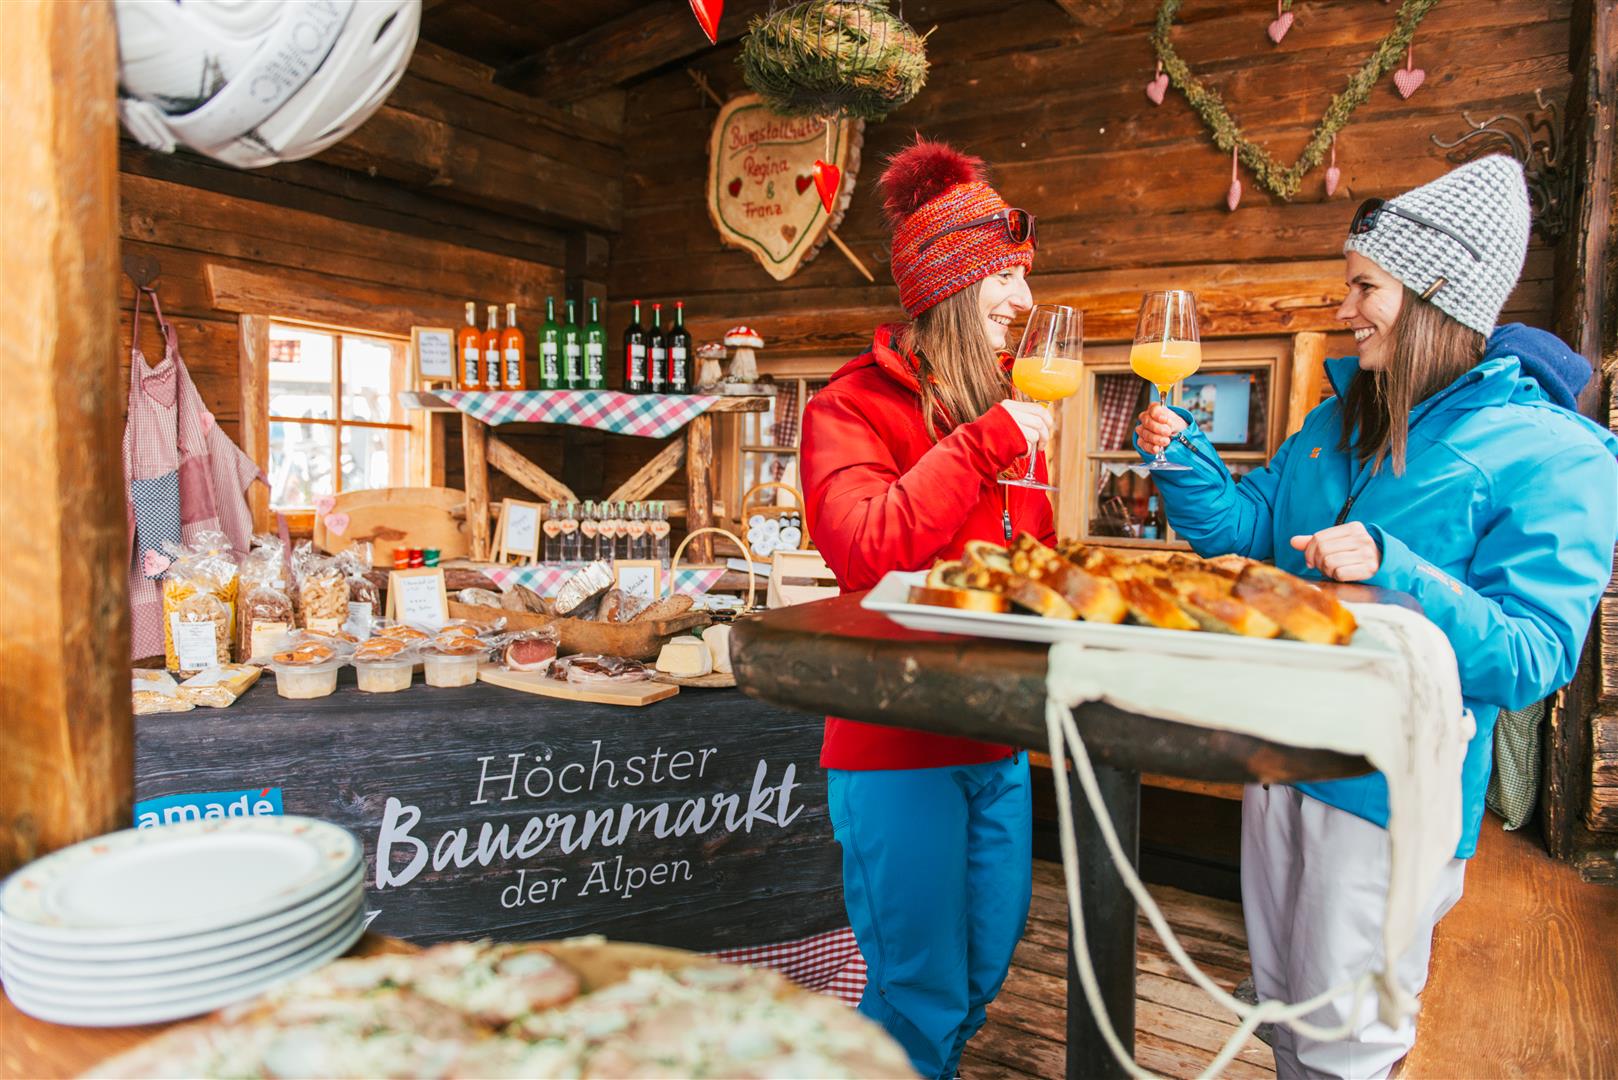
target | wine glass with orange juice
x=1047, y=366
x=1167, y=348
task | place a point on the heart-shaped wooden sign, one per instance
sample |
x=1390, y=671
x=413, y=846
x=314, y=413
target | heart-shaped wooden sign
x=777, y=213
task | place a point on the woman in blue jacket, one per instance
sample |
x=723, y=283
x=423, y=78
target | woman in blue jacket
x=1441, y=469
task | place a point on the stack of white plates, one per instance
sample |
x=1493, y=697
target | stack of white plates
x=155, y=924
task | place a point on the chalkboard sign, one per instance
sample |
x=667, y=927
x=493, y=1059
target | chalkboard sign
x=699, y=822
x=435, y=352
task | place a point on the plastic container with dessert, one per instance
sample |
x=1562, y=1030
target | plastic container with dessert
x=452, y=658
x=384, y=665
x=308, y=667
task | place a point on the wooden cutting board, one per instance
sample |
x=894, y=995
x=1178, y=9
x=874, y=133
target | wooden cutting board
x=538, y=682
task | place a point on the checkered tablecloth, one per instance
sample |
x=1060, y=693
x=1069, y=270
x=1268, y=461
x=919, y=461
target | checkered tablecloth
x=545, y=578
x=828, y=963
x=653, y=416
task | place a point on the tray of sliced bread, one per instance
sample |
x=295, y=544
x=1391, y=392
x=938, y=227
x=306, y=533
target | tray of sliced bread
x=1171, y=602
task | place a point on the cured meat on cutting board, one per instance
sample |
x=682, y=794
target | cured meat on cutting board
x=639, y=692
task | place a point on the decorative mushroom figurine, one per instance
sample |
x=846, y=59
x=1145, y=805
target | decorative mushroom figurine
x=744, y=339
x=710, y=374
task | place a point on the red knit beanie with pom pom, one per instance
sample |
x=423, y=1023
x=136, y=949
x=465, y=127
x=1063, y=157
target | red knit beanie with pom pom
x=926, y=188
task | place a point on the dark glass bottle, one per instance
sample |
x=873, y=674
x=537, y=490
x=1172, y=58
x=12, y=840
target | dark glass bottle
x=682, y=354
x=657, y=364
x=635, y=355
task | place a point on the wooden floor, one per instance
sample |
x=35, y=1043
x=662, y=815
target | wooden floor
x=1524, y=981
x=1177, y=1029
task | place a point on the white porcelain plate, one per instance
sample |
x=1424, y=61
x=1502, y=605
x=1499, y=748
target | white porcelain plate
x=174, y=880
x=891, y=597
x=193, y=1001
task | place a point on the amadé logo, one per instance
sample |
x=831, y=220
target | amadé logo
x=199, y=806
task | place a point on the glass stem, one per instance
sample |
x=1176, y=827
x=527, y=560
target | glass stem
x=1032, y=450
x=1163, y=400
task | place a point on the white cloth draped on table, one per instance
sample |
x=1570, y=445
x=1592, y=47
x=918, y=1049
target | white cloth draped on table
x=1400, y=709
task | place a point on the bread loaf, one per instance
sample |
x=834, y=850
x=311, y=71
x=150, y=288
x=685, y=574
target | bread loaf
x=964, y=599
x=1094, y=597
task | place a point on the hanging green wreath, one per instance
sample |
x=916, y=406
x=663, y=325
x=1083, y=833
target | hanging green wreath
x=851, y=58
x=1284, y=182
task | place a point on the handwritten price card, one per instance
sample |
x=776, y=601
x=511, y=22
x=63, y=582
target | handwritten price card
x=761, y=181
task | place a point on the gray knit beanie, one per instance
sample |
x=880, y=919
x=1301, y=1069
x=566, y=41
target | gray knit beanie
x=1484, y=201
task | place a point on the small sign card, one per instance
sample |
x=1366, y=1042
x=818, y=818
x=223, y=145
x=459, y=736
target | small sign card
x=434, y=347
x=418, y=597
x=640, y=578
x=519, y=530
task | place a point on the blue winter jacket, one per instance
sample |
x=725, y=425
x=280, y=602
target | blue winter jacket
x=1502, y=526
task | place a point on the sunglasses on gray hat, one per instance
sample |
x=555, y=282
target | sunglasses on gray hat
x=1365, y=219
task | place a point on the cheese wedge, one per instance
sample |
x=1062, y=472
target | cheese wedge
x=686, y=657
x=717, y=638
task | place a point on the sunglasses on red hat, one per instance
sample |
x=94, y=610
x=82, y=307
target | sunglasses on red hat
x=1019, y=225
x=1365, y=219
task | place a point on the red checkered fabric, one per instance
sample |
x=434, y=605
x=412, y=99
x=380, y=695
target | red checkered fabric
x=1116, y=397
x=828, y=963
x=957, y=259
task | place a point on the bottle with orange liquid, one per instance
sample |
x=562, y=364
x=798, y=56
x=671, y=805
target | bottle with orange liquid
x=514, y=372
x=491, y=350
x=469, y=347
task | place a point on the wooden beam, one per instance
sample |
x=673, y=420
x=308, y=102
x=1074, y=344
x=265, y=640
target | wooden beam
x=313, y=297
x=255, y=423
x=526, y=473
x=1095, y=13
x=652, y=475
x=621, y=50
x=475, y=464
x=1303, y=393
x=699, y=481
x=67, y=771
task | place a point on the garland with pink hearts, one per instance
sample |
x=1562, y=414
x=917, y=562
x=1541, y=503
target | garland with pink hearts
x=1285, y=181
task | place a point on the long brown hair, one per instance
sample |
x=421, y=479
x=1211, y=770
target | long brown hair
x=959, y=371
x=1430, y=351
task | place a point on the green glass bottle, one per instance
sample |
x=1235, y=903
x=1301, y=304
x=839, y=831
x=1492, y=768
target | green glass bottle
x=572, y=350
x=595, y=349
x=550, y=349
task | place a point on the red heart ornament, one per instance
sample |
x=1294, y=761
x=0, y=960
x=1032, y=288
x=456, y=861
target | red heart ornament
x=1409, y=80
x=804, y=182
x=1278, y=29
x=828, y=179
x=1158, y=87
x=735, y=187
x=707, y=13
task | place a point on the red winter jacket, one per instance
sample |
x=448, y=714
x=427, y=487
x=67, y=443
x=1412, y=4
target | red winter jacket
x=882, y=496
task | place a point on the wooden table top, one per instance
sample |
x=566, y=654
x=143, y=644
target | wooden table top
x=834, y=657
x=33, y=1049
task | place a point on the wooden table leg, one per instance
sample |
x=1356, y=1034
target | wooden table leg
x=1109, y=926
x=475, y=457
x=699, y=479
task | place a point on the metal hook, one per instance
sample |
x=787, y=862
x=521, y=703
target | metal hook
x=143, y=270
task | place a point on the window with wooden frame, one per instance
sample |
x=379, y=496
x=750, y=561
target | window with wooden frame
x=333, y=415
x=762, y=447
x=1239, y=397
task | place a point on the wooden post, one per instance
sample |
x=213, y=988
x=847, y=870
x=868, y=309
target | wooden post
x=699, y=479
x=1303, y=391
x=67, y=769
x=254, y=364
x=474, y=444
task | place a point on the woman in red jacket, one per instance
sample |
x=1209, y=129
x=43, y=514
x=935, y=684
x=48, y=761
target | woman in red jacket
x=902, y=454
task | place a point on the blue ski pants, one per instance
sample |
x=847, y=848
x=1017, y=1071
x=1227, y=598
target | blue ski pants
x=937, y=878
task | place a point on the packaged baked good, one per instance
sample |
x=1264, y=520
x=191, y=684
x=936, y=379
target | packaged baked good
x=452, y=657
x=383, y=665
x=220, y=687
x=308, y=667
x=364, y=598
x=155, y=691
x=322, y=590
x=264, y=612
x=400, y=631
x=200, y=587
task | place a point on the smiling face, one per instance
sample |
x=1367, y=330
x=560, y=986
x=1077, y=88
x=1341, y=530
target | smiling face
x=1370, y=310
x=1001, y=298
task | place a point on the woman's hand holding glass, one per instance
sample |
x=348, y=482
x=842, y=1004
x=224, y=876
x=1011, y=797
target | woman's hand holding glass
x=1158, y=426
x=1346, y=552
x=1034, y=420
x=1046, y=368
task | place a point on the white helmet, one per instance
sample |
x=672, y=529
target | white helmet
x=254, y=82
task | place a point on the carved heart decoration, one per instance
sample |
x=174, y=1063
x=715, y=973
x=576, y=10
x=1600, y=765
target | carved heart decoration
x=153, y=563
x=1409, y=80
x=708, y=13
x=803, y=182
x=336, y=524
x=325, y=504
x=735, y=187
x=1158, y=87
x=828, y=179
x=1278, y=28
x=1333, y=175
x=789, y=233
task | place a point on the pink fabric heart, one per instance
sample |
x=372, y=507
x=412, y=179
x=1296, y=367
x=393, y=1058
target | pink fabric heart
x=325, y=504
x=336, y=524
x=1278, y=29
x=1333, y=175
x=1409, y=80
x=154, y=563
x=1233, y=197
x=1157, y=88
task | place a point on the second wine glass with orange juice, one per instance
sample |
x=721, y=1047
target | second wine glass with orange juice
x=1047, y=366
x=1167, y=348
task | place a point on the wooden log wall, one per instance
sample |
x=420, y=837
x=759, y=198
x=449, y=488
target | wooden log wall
x=1130, y=196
